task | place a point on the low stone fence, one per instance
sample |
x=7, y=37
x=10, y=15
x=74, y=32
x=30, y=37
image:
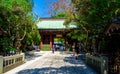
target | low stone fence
x=10, y=53
x=9, y=62
x=100, y=64
x=1, y=64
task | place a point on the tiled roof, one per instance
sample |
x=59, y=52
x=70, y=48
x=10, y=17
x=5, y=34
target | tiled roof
x=53, y=24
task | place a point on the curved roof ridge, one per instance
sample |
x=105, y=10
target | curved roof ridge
x=51, y=18
x=53, y=23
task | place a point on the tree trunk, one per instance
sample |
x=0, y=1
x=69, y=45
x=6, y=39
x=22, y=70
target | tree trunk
x=86, y=41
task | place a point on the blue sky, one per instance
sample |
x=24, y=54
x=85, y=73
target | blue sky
x=41, y=8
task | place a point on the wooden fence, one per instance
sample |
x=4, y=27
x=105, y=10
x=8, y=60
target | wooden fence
x=100, y=64
x=9, y=62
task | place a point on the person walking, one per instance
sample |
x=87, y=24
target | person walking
x=53, y=48
x=76, y=51
x=73, y=50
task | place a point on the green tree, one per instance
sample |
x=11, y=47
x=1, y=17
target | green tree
x=17, y=23
x=92, y=16
x=58, y=8
x=60, y=15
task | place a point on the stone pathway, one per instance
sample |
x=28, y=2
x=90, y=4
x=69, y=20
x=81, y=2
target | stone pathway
x=58, y=63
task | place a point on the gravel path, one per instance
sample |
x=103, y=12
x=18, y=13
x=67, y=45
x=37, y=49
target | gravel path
x=58, y=63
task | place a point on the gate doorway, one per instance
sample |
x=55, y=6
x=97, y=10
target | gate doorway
x=59, y=44
x=52, y=29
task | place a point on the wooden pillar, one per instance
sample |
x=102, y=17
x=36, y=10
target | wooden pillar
x=51, y=42
x=41, y=44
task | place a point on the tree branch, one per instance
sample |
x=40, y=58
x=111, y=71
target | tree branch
x=23, y=36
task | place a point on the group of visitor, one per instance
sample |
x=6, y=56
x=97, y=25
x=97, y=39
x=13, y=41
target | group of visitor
x=77, y=48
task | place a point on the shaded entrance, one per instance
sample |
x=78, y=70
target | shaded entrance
x=48, y=36
x=49, y=29
x=59, y=44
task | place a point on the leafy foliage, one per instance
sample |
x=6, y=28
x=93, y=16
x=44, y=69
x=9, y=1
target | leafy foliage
x=60, y=15
x=16, y=21
x=58, y=8
x=92, y=16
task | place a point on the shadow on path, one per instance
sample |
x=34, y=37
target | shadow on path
x=61, y=70
x=76, y=67
x=80, y=63
x=31, y=55
x=71, y=59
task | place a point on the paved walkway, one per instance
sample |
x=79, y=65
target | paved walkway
x=58, y=63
